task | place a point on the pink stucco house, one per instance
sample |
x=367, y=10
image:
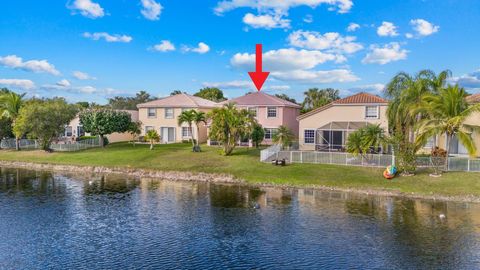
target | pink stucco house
x=271, y=112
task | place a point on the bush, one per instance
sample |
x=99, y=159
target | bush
x=82, y=138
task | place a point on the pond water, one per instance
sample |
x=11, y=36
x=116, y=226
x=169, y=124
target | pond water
x=56, y=221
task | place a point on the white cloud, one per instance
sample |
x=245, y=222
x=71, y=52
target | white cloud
x=409, y=35
x=308, y=18
x=20, y=83
x=283, y=59
x=108, y=37
x=376, y=88
x=151, y=10
x=469, y=81
x=382, y=55
x=87, y=8
x=352, y=27
x=317, y=76
x=86, y=89
x=63, y=83
x=59, y=86
x=423, y=27
x=278, y=87
x=329, y=41
x=37, y=66
x=266, y=21
x=82, y=76
x=387, y=29
x=230, y=84
x=164, y=46
x=201, y=48
x=281, y=6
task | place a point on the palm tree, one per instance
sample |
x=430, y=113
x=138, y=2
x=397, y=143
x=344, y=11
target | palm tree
x=283, y=136
x=405, y=93
x=315, y=97
x=229, y=125
x=198, y=118
x=447, y=113
x=187, y=117
x=10, y=104
x=365, y=139
x=152, y=136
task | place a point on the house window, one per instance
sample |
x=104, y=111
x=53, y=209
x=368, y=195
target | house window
x=152, y=112
x=269, y=132
x=253, y=111
x=186, y=132
x=271, y=112
x=80, y=131
x=147, y=128
x=168, y=113
x=309, y=136
x=371, y=112
x=68, y=131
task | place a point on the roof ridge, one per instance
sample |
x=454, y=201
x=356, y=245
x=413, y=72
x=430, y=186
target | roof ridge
x=188, y=96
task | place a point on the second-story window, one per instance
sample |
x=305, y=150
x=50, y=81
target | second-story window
x=253, y=111
x=152, y=112
x=169, y=113
x=371, y=112
x=271, y=112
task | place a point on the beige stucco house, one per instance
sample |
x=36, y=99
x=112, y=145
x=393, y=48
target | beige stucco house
x=74, y=130
x=327, y=128
x=162, y=115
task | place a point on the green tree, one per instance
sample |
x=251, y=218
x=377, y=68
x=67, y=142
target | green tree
x=366, y=140
x=187, y=117
x=45, y=119
x=405, y=93
x=315, y=98
x=102, y=122
x=199, y=118
x=152, y=137
x=286, y=97
x=176, y=92
x=211, y=93
x=283, y=136
x=229, y=125
x=258, y=133
x=447, y=112
x=10, y=105
x=129, y=103
x=135, y=129
x=5, y=128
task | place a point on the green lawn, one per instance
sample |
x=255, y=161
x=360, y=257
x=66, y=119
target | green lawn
x=245, y=164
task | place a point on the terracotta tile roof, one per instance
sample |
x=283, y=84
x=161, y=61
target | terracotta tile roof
x=179, y=101
x=362, y=98
x=475, y=98
x=261, y=99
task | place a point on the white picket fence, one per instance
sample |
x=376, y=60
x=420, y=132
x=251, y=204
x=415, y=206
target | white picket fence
x=370, y=160
x=60, y=147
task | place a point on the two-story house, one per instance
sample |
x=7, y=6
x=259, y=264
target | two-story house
x=162, y=115
x=327, y=128
x=271, y=112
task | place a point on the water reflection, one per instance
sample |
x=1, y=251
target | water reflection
x=109, y=221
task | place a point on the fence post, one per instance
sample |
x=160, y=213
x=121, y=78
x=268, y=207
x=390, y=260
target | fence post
x=468, y=165
x=291, y=156
x=301, y=157
x=346, y=159
x=316, y=157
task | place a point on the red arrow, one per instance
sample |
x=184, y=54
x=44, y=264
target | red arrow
x=258, y=77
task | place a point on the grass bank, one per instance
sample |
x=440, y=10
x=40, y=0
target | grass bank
x=244, y=164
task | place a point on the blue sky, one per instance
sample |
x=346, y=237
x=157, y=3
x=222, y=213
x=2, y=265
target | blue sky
x=94, y=49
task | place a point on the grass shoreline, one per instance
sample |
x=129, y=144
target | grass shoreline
x=245, y=165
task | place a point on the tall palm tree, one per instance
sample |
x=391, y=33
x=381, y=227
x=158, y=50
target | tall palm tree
x=283, y=136
x=152, y=137
x=447, y=113
x=199, y=118
x=187, y=117
x=10, y=104
x=229, y=125
x=315, y=97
